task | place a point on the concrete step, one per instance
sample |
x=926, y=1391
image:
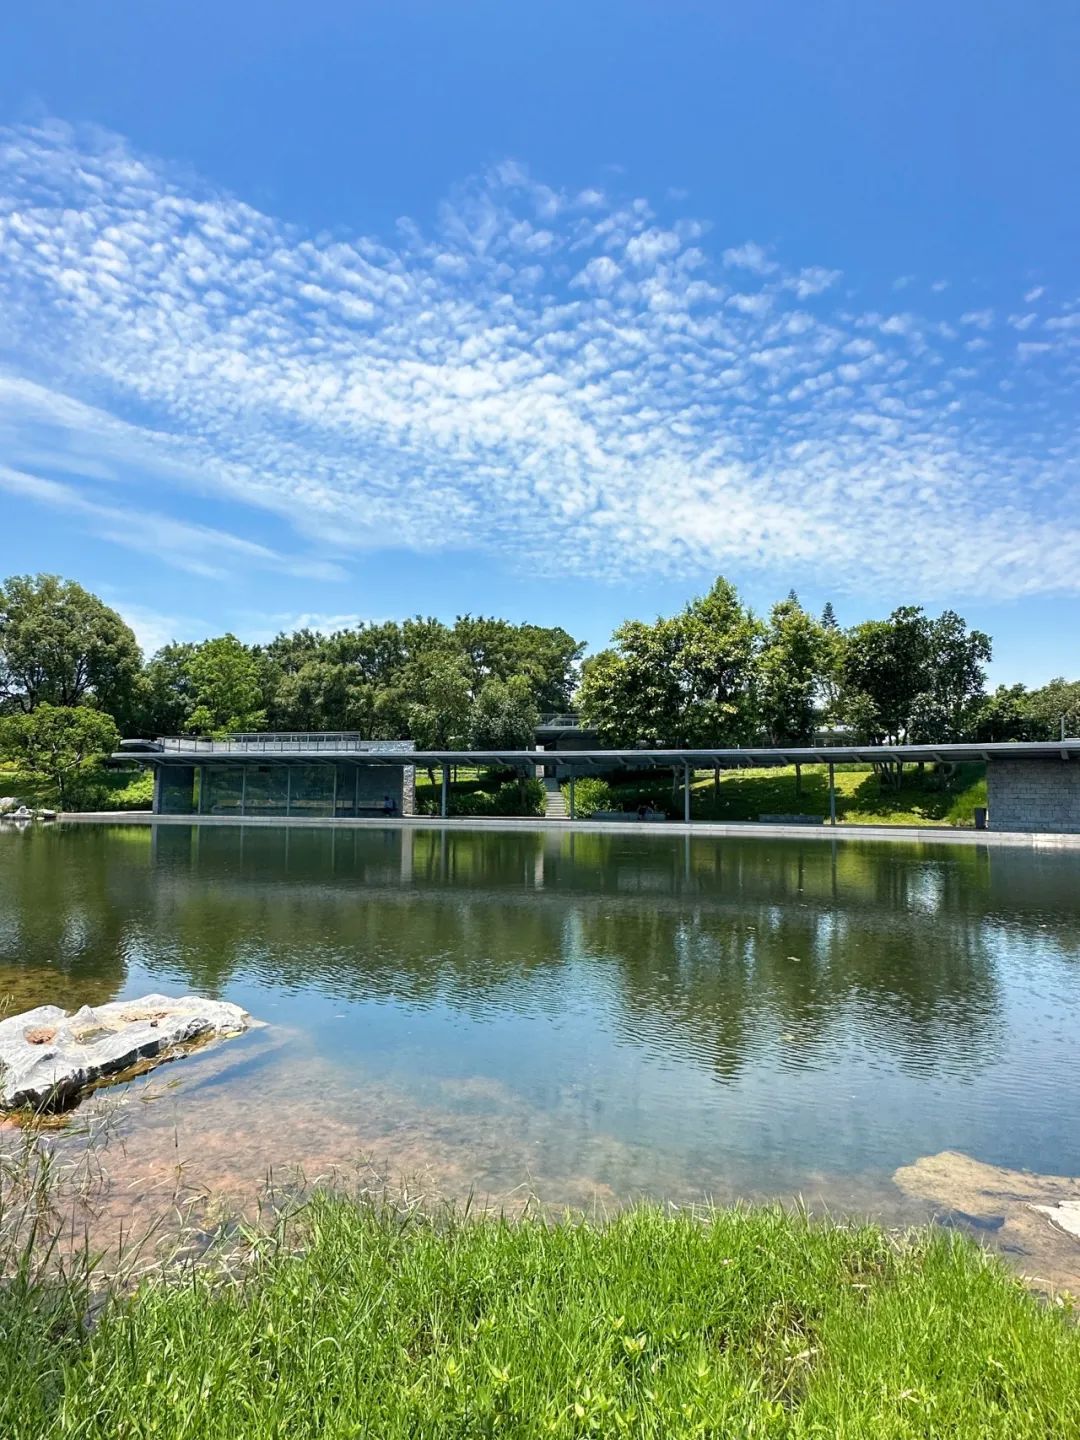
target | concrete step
x=554, y=801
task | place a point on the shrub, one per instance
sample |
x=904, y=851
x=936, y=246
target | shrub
x=592, y=794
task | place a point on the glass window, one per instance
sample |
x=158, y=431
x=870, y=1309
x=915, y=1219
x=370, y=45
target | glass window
x=267, y=791
x=222, y=790
x=176, y=792
x=312, y=790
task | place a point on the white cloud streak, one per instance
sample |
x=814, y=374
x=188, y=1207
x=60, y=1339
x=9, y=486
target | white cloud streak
x=539, y=364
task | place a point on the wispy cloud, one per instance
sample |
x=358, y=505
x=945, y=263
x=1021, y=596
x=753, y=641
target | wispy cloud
x=200, y=549
x=540, y=362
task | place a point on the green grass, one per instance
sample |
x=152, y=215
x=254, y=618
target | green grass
x=97, y=789
x=925, y=798
x=355, y=1321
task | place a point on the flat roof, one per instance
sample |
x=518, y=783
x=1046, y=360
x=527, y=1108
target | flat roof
x=311, y=749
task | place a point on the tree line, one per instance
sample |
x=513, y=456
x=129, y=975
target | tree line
x=73, y=680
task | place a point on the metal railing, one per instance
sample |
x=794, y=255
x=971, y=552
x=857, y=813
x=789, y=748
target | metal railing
x=290, y=744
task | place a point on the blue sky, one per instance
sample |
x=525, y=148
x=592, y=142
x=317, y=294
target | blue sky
x=317, y=313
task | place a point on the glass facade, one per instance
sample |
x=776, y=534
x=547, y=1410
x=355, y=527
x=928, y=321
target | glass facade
x=320, y=790
x=175, y=790
x=266, y=790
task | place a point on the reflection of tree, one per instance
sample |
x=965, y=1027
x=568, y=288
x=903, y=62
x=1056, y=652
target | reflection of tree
x=362, y=914
x=807, y=939
x=691, y=945
x=66, y=899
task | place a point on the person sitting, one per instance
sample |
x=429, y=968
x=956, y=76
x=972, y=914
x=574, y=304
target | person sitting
x=389, y=805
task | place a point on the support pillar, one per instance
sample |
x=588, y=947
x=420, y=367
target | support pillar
x=445, y=798
x=832, y=793
x=243, y=789
x=573, y=800
x=686, y=792
x=156, y=807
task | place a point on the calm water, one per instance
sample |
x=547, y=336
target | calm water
x=586, y=1016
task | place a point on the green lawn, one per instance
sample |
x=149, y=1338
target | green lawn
x=925, y=798
x=360, y=1323
x=101, y=789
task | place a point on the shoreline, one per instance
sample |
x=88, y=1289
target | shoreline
x=746, y=829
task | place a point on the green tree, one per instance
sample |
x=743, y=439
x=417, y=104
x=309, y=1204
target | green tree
x=504, y=715
x=885, y=672
x=1006, y=715
x=955, y=681
x=685, y=680
x=167, y=692
x=437, y=701
x=58, y=744
x=60, y=645
x=226, y=687
x=792, y=658
x=1054, y=705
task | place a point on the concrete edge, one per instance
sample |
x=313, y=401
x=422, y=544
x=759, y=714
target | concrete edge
x=929, y=834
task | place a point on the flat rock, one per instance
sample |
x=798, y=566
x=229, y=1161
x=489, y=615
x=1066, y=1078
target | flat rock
x=48, y=1057
x=1033, y=1216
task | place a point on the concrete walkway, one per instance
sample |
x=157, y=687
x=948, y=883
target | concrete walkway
x=746, y=830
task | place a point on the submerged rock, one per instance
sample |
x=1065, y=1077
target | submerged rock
x=48, y=1057
x=1030, y=1215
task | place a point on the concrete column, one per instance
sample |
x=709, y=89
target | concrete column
x=288, y=791
x=573, y=800
x=157, y=790
x=445, y=805
x=243, y=789
x=686, y=791
x=832, y=793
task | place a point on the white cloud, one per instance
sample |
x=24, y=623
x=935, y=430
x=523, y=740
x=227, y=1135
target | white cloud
x=1036, y=293
x=751, y=257
x=812, y=280
x=536, y=362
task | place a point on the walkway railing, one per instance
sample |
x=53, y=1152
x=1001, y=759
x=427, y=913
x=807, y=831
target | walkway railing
x=283, y=745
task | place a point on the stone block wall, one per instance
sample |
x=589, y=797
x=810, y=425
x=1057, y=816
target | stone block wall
x=1037, y=796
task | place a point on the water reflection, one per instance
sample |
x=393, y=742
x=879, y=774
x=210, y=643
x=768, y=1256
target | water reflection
x=655, y=1012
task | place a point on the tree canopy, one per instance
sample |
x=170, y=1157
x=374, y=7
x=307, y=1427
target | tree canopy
x=60, y=645
x=56, y=743
x=712, y=674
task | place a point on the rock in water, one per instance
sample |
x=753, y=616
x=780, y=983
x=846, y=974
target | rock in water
x=48, y=1057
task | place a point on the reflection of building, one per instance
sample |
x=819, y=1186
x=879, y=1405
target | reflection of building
x=277, y=776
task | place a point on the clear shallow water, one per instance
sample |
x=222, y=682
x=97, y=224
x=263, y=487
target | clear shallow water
x=589, y=1017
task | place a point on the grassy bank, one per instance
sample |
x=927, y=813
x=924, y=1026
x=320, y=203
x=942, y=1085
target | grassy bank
x=354, y=1321
x=97, y=789
x=928, y=797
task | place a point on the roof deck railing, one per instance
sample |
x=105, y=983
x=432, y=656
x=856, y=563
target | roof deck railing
x=290, y=742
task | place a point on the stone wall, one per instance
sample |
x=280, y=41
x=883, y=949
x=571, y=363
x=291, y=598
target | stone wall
x=1037, y=796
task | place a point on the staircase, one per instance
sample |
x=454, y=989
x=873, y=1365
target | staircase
x=554, y=802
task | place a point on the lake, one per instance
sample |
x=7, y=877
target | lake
x=587, y=1018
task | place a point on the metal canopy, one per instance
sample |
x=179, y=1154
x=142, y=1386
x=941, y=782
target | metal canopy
x=315, y=749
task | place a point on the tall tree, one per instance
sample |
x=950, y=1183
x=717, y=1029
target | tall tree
x=167, y=695
x=226, y=687
x=503, y=716
x=437, y=701
x=60, y=645
x=955, y=680
x=57, y=744
x=792, y=659
x=684, y=680
x=885, y=671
